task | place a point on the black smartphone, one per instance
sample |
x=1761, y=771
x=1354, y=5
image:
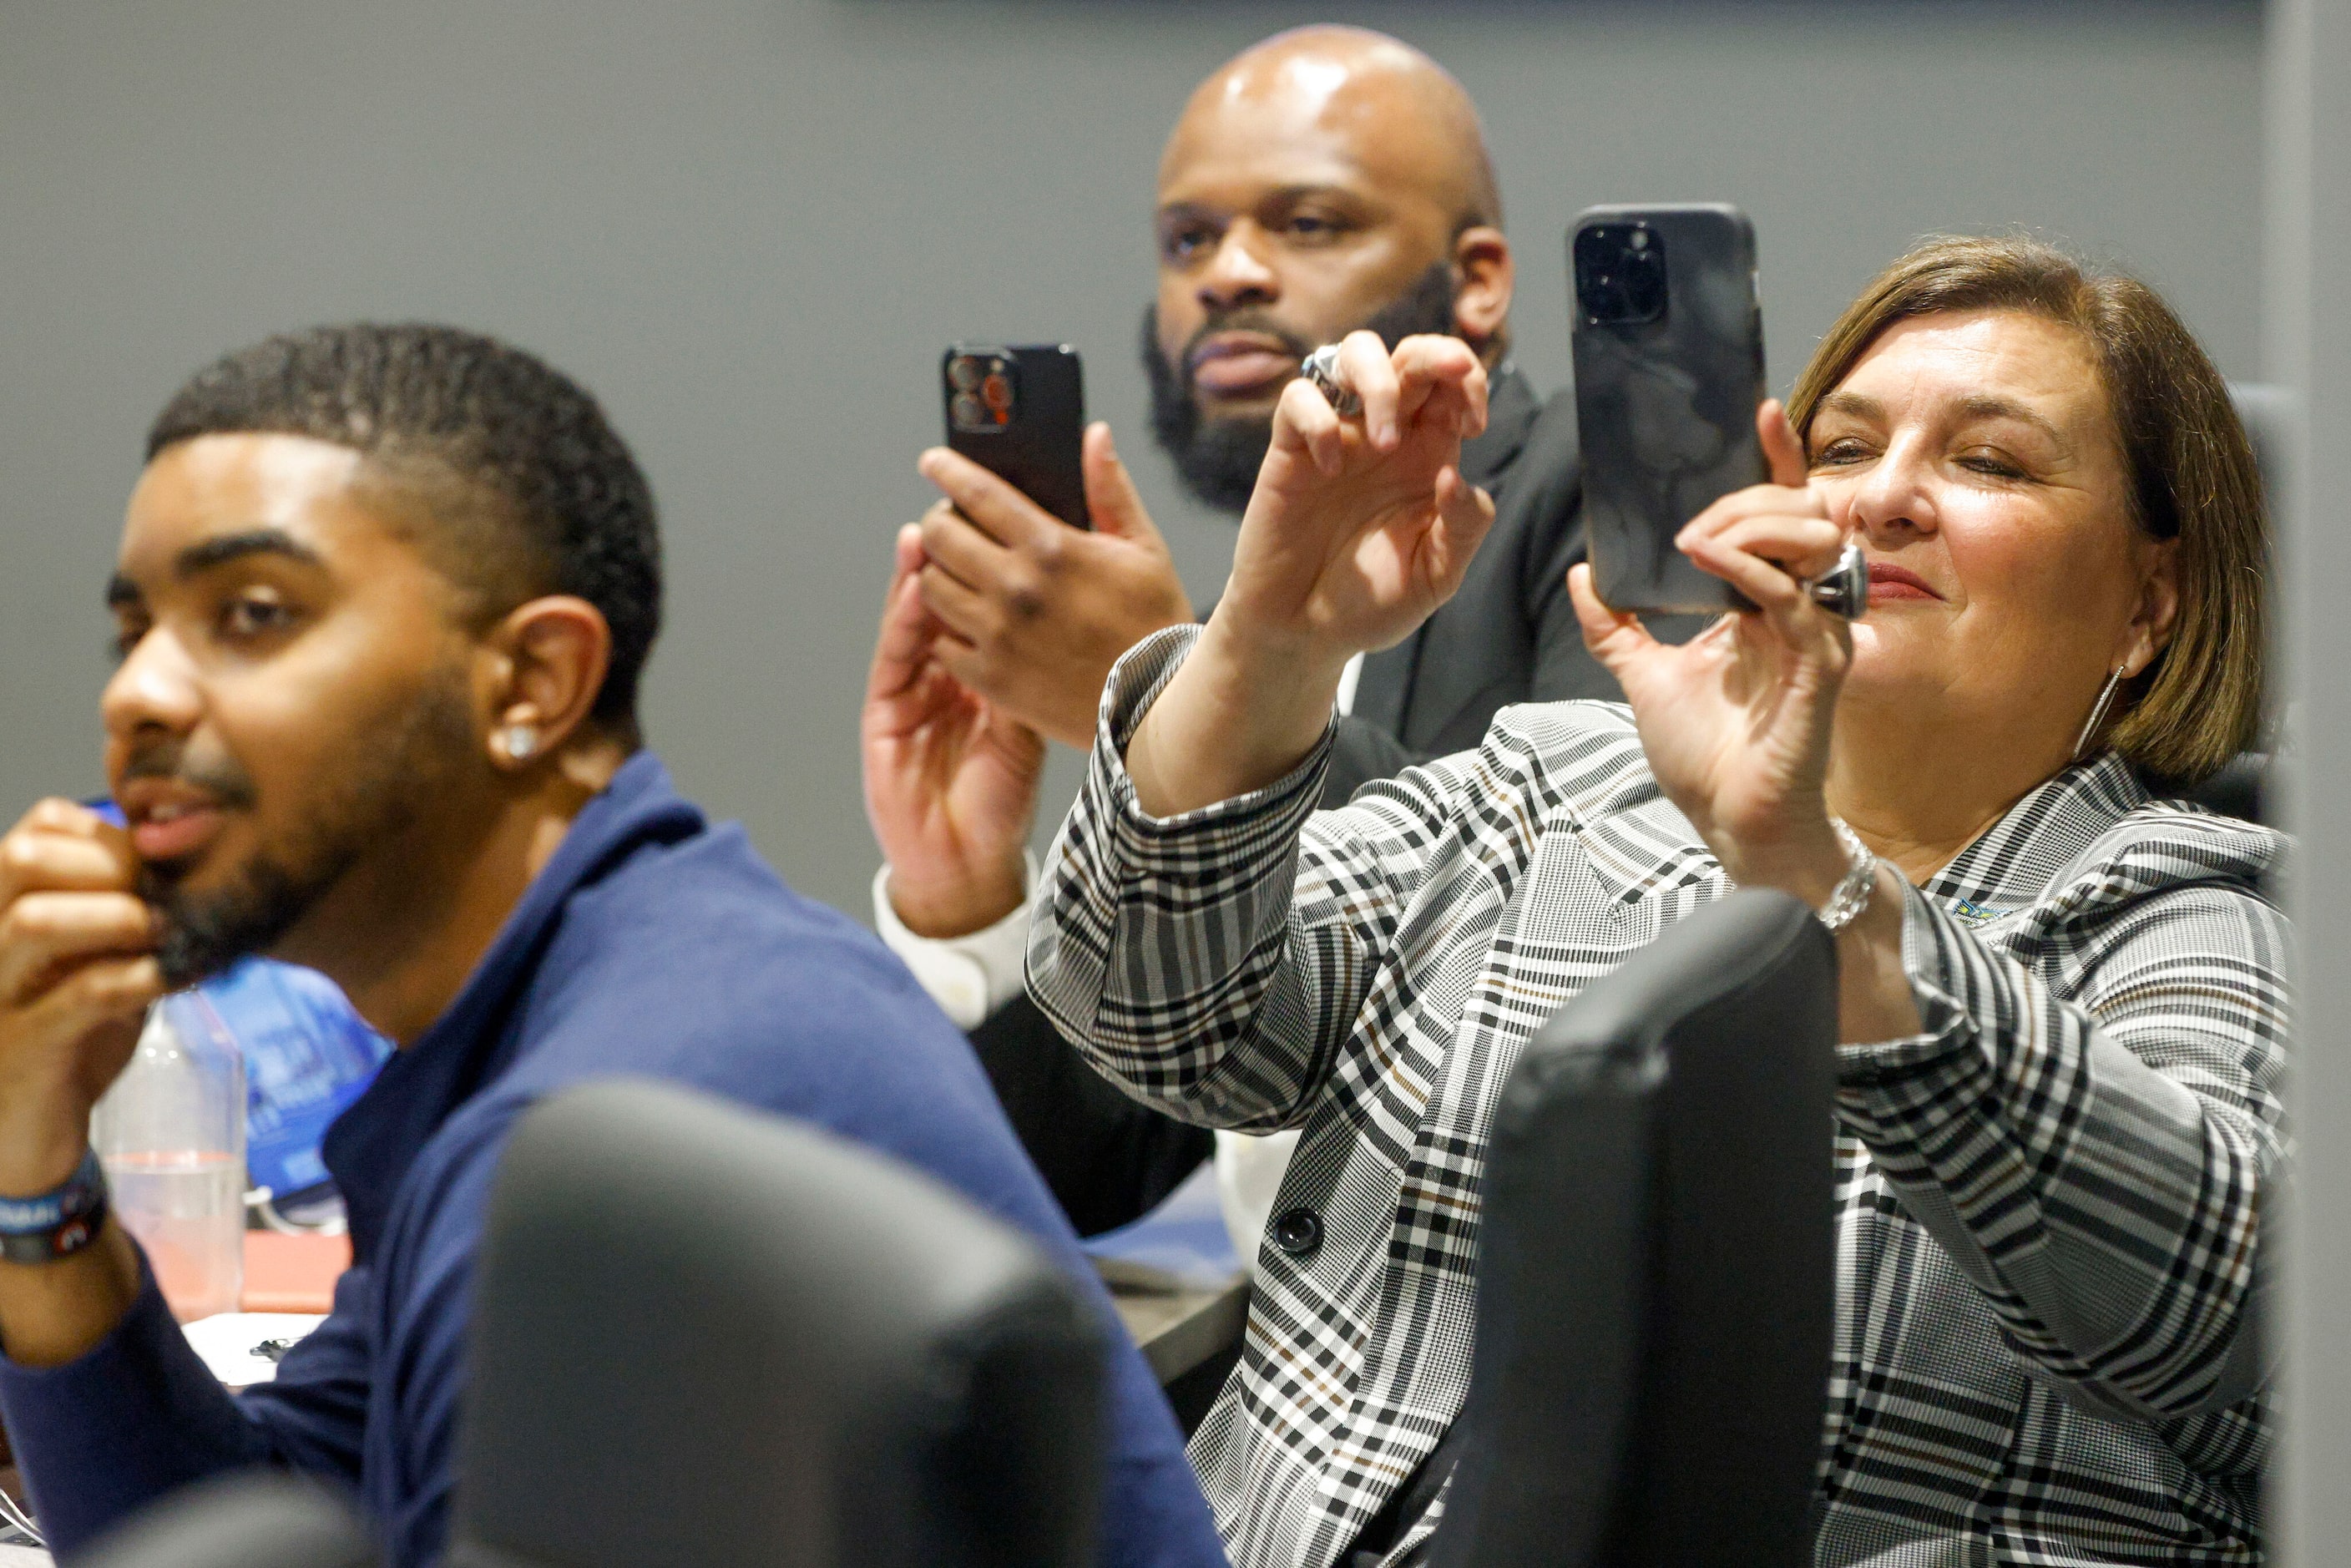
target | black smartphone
x=1020, y=413
x=1668, y=336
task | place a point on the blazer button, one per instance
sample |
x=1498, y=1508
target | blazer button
x=1297, y=1232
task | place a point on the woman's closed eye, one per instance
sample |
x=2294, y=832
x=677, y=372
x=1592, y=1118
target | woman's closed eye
x=1992, y=464
x=1842, y=452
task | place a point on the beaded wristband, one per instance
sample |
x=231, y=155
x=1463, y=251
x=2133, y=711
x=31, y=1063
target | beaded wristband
x=58, y=1223
x=1852, y=894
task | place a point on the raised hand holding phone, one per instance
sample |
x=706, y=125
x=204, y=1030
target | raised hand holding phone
x=1035, y=612
x=1040, y=563
x=1737, y=721
x=1359, y=526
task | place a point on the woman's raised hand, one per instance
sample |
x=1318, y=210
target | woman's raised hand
x=1361, y=525
x=1736, y=722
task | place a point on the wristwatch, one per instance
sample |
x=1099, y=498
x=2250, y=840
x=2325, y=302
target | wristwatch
x=58, y=1223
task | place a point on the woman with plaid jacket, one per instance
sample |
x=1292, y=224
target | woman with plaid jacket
x=2062, y=1007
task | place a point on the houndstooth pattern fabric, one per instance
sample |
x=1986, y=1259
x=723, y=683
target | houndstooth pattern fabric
x=2047, y=1201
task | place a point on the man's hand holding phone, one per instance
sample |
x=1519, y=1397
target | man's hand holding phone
x=1033, y=612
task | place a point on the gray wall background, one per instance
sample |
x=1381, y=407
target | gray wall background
x=750, y=224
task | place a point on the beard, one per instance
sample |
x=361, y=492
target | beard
x=1218, y=459
x=374, y=800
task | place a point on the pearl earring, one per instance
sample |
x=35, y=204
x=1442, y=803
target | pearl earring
x=517, y=741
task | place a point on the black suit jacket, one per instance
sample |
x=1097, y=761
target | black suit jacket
x=1509, y=635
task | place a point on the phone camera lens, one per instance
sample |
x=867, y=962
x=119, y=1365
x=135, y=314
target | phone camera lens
x=1645, y=286
x=1620, y=273
x=997, y=392
x=969, y=413
x=963, y=373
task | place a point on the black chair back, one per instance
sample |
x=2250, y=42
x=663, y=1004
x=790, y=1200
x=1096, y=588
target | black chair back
x=1656, y=1265
x=253, y=1519
x=706, y=1336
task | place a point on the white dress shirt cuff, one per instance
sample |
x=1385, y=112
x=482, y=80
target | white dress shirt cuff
x=1349, y=678
x=969, y=976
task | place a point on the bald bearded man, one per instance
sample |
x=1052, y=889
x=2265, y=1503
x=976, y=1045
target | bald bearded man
x=1325, y=180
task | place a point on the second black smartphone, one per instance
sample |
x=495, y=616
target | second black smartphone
x=1020, y=413
x=1668, y=336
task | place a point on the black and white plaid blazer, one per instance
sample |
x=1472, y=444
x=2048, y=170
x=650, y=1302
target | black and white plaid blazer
x=2047, y=1201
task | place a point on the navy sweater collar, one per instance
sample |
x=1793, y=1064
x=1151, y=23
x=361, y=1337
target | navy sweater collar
x=371, y=1146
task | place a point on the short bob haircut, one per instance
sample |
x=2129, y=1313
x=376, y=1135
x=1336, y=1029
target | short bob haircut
x=2192, y=474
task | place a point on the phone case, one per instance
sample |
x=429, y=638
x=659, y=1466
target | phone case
x=1668, y=374
x=1022, y=417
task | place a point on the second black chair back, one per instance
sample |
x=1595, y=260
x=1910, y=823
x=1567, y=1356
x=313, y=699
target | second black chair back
x=1656, y=1263
x=706, y=1336
x=247, y=1519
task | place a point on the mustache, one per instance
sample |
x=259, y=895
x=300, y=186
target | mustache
x=1217, y=460
x=1244, y=319
x=1424, y=306
x=222, y=779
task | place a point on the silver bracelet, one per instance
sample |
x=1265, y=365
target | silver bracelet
x=1852, y=894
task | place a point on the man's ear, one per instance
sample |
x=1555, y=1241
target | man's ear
x=549, y=664
x=2158, y=614
x=1481, y=304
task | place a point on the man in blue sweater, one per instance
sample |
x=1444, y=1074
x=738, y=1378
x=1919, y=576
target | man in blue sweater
x=382, y=600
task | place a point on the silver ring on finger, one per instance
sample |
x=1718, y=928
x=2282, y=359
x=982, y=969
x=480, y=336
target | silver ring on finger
x=1321, y=372
x=1844, y=590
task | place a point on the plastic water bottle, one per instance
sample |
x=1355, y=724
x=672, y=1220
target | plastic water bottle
x=172, y=1135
